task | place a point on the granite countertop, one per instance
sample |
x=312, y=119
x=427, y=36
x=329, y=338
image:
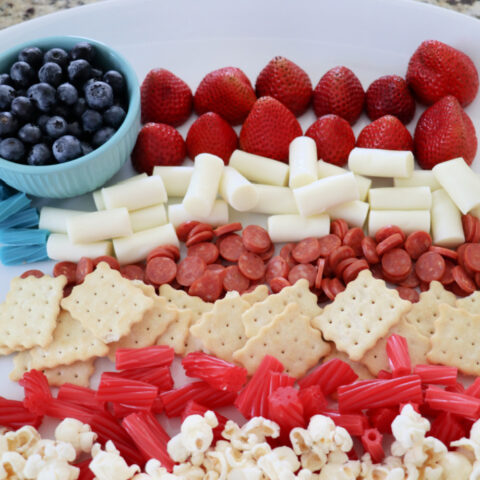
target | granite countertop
x=16, y=11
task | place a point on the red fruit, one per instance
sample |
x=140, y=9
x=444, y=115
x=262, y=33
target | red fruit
x=334, y=138
x=157, y=144
x=386, y=132
x=444, y=131
x=226, y=91
x=269, y=129
x=286, y=82
x=165, y=98
x=436, y=70
x=390, y=95
x=340, y=92
x=210, y=133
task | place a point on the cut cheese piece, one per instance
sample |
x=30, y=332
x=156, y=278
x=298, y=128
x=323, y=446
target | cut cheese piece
x=136, y=247
x=354, y=213
x=177, y=214
x=405, y=198
x=323, y=194
x=447, y=229
x=203, y=187
x=96, y=226
x=98, y=200
x=408, y=220
x=418, y=178
x=302, y=159
x=460, y=182
x=148, y=217
x=175, y=179
x=376, y=162
x=237, y=191
x=61, y=249
x=293, y=228
x=259, y=169
x=55, y=219
x=273, y=200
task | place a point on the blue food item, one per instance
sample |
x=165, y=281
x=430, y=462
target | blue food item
x=18, y=255
x=23, y=236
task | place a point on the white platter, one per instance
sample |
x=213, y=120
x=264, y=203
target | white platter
x=191, y=38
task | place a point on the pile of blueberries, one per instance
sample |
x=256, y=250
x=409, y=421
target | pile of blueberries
x=56, y=105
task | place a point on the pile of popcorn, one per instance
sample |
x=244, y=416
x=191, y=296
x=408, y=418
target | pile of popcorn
x=318, y=452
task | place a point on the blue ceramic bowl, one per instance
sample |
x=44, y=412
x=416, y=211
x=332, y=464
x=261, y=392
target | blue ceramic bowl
x=89, y=172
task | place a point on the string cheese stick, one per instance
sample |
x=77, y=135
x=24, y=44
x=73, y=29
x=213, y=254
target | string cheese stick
x=319, y=196
x=408, y=220
x=403, y=198
x=447, y=229
x=177, y=214
x=302, y=159
x=203, y=187
x=375, y=162
x=136, y=247
x=292, y=228
x=175, y=179
x=419, y=178
x=460, y=182
x=237, y=191
x=55, y=219
x=274, y=200
x=149, y=217
x=259, y=169
x=96, y=226
x=354, y=212
x=61, y=249
x=98, y=197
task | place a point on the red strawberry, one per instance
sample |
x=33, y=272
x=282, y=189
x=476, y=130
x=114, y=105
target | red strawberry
x=389, y=95
x=334, y=138
x=210, y=133
x=165, y=98
x=287, y=82
x=157, y=144
x=444, y=131
x=226, y=91
x=340, y=92
x=386, y=132
x=437, y=69
x=269, y=129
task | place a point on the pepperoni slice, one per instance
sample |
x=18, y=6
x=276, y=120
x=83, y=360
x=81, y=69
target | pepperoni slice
x=307, y=250
x=112, y=262
x=386, y=231
x=340, y=254
x=68, y=269
x=444, y=252
x=320, y=268
x=336, y=286
x=169, y=251
x=229, y=228
x=266, y=256
x=132, y=272
x=33, y=273
x=256, y=239
x=409, y=294
x=67, y=289
x=203, y=236
x=277, y=284
x=463, y=280
x=377, y=271
x=343, y=265
x=430, y=266
x=277, y=267
x=417, y=243
x=84, y=267
x=411, y=281
x=217, y=268
x=328, y=244
x=303, y=270
x=476, y=236
x=469, y=225
x=351, y=272
x=189, y=269
x=396, y=264
x=235, y=280
x=286, y=253
x=472, y=256
x=353, y=238
x=251, y=265
x=231, y=247
x=477, y=279
x=369, y=250
x=209, y=287
x=184, y=229
x=160, y=270
x=326, y=288
x=447, y=277
x=205, y=250
x=393, y=241
x=199, y=228
x=339, y=227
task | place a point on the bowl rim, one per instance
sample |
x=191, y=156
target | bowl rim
x=133, y=106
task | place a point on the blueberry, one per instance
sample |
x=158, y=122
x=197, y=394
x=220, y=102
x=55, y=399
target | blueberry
x=66, y=148
x=83, y=50
x=22, y=74
x=79, y=71
x=86, y=148
x=12, y=149
x=23, y=108
x=102, y=135
x=114, y=116
x=96, y=74
x=67, y=93
x=51, y=73
x=8, y=124
x=30, y=133
x=75, y=129
x=5, y=79
x=56, y=55
x=42, y=95
x=31, y=55
x=7, y=94
x=40, y=154
x=42, y=122
x=115, y=80
x=56, y=127
x=99, y=95
x=61, y=111
x=79, y=107
x=91, y=120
